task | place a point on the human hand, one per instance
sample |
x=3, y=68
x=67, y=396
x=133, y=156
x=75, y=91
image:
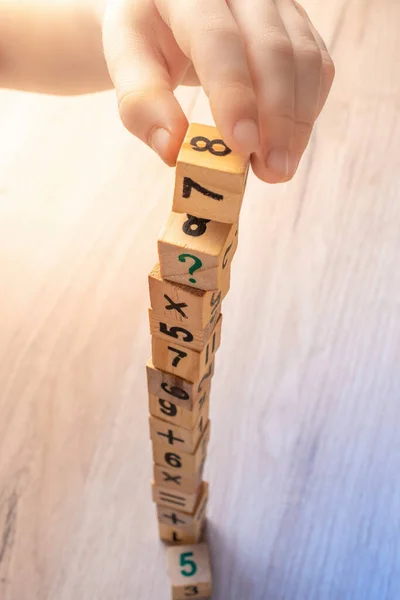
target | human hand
x=264, y=67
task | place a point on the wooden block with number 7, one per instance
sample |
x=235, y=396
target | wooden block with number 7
x=190, y=571
x=196, y=252
x=210, y=178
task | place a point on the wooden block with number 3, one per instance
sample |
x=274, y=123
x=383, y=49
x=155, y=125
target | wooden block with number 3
x=190, y=571
x=196, y=252
x=210, y=178
x=184, y=362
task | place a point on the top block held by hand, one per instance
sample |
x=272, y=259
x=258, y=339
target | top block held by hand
x=210, y=177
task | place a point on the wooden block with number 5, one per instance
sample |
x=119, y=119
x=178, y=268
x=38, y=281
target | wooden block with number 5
x=210, y=178
x=171, y=331
x=169, y=387
x=171, y=413
x=184, y=440
x=182, y=462
x=196, y=252
x=193, y=309
x=190, y=571
x=183, y=362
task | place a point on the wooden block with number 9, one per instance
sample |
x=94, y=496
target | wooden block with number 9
x=196, y=252
x=190, y=571
x=170, y=412
x=184, y=362
x=210, y=178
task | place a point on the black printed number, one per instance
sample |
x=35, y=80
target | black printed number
x=206, y=376
x=191, y=591
x=179, y=355
x=173, y=460
x=174, y=391
x=203, y=144
x=189, y=184
x=175, y=331
x=167, y=408
x=195, y=226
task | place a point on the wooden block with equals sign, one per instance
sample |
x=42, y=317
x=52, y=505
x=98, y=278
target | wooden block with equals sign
x=210, y=178
x=190, y=571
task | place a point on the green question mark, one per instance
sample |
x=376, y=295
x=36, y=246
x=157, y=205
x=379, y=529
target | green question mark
x=196, y=265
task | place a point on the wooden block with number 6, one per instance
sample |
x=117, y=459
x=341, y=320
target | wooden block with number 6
x=210, y=178
x=196, y=252
x=181, y=535
x=190, y=571
x=182, y=462
x=184, y=440
x=193, y=309
x=183, y=362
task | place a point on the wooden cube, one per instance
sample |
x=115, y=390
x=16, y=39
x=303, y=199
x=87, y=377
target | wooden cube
x=190, y=571
x=174, y=535
x=184, y=440
x=171, y=413
x=182, y=501
x=195, y=252
x=171, y=331
x=169, y=387
x=178, y=518
x=184, y=362
x=168, y=478
x=182, y=462
x=210, y=178
x=194, y=309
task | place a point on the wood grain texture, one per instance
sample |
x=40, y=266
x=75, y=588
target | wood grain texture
x=304, y=455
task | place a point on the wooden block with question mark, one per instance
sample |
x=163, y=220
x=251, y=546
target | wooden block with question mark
x=184, y=362
x=169, y=387
x=210, y=178
x=196, y=252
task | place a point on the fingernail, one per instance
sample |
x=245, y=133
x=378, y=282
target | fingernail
x=246, y=134
x=282, y=163
x=160, y=140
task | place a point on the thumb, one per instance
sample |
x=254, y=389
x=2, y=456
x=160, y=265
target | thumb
x=147, y=105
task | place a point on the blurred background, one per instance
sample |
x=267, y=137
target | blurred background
x=305, y=455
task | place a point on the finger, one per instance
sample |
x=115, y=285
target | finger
x=308, y=64
x=270, y=57
x=147, y=105
x=207, y=33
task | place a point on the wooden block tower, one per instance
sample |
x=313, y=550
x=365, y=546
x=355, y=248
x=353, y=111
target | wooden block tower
x=187, y=287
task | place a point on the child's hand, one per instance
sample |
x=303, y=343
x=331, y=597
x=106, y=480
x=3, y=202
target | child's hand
x=262, y=64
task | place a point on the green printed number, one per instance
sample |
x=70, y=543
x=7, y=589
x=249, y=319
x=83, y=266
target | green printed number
x=186, y=562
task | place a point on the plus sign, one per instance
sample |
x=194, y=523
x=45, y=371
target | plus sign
x=174, y=519
x=170, y=436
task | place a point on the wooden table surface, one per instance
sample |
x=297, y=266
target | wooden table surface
x=305, y=455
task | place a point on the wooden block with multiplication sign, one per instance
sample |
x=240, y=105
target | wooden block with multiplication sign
x=168, y=478
x=189, y=569
x=210, y=178
x=171, y=413
x=184, y=362
x=169, y=387
x=196, y=252
x=182, y=463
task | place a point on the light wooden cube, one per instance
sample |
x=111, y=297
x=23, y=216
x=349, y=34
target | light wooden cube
x=174, y=535
x=168, y=478
x=176, y=415
x=182, y=462
x=178, y=518
x=194, y=309
x=189, y=569
x=210, y=178
x=182, y=501
x=184, y=440
x=194, y=259
x=171, y=331
x=184, y=362
x=169, y=387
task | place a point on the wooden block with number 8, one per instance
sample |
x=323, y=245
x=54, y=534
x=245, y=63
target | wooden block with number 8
x=210, y=178
x=176, y=415
x=184, y=440
x=183, y=362
x=190, y=571
x=182, y=462
x=196, y=252
x=194, y=309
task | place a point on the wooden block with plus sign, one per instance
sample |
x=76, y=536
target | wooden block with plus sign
x=183, y=501
x=186, y=483
x=174, y=535
x=176, y=415
x=184, y=362
x=192, y=308
x=179, y=518
x=180, y=462
x=189, y=569
x=184, y=440
x=196, y=252
x=188, y=337
x=210, y=178
x=169, y=387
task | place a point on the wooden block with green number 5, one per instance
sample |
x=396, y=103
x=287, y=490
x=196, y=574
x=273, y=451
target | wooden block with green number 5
x=190, y=571
x=210, y=178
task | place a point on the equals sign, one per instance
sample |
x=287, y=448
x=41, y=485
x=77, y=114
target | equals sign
x=172, y=499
